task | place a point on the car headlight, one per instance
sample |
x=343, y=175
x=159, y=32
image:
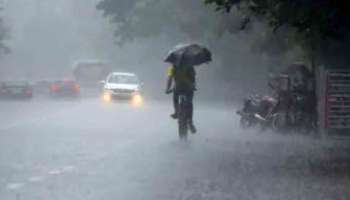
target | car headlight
x=137, y=99
x=107, y=96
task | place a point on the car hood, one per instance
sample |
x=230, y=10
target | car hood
x=112, y=86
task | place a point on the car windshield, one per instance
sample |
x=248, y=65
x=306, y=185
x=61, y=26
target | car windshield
x=123, y=79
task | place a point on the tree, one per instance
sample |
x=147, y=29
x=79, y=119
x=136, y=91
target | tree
x=150, y=18
x=317, y=24
x=328, y=18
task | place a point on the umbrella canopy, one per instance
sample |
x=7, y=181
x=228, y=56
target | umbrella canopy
x=188, y=55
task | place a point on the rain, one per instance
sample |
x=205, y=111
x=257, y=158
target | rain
x=183, y=100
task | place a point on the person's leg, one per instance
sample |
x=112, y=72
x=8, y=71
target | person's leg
x=190, y=105
x=175, y=103
x=190, y=111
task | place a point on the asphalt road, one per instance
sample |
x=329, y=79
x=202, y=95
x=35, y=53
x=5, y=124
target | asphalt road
x=87, y=150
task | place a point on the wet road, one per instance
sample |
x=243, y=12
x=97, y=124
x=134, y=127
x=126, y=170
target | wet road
x=82, y=150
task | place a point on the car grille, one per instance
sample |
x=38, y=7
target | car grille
x=122, y=91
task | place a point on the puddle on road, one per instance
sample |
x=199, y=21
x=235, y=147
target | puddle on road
x=55, y=172
x=36, y=179
x=14, y=186
x=68, y=168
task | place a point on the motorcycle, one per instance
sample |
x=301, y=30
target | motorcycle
x=263, y=112
x=248, y=115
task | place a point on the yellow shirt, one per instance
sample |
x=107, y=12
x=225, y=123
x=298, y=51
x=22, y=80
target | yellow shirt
x=184, y=77
x=171, y=71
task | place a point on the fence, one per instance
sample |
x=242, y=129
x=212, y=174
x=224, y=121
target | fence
x=335, y=98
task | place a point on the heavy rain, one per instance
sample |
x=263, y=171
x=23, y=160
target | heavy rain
x=174, y=99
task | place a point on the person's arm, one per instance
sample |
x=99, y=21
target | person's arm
x=193, y=78
x=169, y=84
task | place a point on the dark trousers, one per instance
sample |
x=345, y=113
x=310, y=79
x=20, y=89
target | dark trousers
x=189, y=95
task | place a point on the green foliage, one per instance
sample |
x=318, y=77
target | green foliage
x=321, y=28
x=146, y=18
x=328, y=18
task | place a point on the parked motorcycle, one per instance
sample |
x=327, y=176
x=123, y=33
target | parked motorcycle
x=263, y=112
x=293, y=109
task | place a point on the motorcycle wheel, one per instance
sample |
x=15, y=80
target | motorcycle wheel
x=279, y=122
x=245, y=122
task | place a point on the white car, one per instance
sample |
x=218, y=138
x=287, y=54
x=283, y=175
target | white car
x=119, y=85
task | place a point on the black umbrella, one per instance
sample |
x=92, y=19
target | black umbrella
x=188, y=55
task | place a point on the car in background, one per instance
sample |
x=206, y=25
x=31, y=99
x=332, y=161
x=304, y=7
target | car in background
x=16, y=90
x=88, y=72
x=122, y=86
x=64, y=88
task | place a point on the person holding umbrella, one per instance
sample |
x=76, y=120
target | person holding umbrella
x=184, y=80
x=182, y=75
